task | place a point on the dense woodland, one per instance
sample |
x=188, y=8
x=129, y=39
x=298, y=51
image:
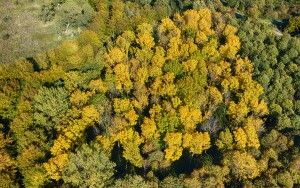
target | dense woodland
x=151, y=93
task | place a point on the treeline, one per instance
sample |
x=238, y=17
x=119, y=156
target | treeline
x=156, y=94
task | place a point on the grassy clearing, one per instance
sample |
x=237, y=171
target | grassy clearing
x=23, y=34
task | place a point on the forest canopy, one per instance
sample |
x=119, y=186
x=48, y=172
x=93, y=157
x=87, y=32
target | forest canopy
x=156, y=94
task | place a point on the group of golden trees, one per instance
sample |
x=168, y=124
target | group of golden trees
x=151, y=95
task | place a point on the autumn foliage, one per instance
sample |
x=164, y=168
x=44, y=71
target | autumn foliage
x=140, y=102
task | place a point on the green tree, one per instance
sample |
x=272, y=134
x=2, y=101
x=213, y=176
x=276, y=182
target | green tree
x=88, y=167
x=132, y=181
x=50, y=104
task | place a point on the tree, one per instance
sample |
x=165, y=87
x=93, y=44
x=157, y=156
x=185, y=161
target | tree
x=207, y=176
x=49, y=105
x=294, y=25
x=172, y=182
x=225, y=140
x=88, y=167
x=9, y=95
x=8, y=164
x=132, y=181
x=242, y=165
x=67, y=139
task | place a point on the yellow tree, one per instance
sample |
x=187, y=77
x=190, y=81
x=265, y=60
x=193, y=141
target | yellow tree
x=243, y=166
x=189, y=117
x=131, y=141
x=181, y=79
x=67, y=138
x=174, y=146
x=196, y=142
